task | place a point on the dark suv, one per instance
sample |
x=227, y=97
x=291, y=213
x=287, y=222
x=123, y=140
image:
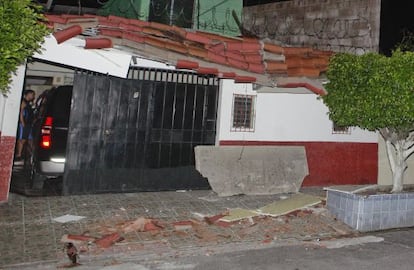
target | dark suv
x=50, y=136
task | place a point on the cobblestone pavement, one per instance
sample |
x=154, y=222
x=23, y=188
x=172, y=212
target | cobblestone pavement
x=29, y=235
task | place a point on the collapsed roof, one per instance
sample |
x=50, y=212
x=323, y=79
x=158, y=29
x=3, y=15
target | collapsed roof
x=246, y=60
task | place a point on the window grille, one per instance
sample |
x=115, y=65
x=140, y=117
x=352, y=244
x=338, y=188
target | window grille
x=243, y=113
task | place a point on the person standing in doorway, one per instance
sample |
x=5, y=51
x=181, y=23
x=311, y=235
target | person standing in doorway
x=26, y=118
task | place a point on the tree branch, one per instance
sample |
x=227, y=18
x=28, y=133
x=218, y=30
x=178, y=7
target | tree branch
x=408, y=146
x=408, y=152
x=410, y=137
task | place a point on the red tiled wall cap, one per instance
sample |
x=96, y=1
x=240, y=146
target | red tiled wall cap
x=312, y=88
x=227, y=75
x=244, y=79
x=207, y=70
x=184, y=64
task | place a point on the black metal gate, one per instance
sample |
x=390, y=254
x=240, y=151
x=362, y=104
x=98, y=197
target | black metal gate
x=138, y=134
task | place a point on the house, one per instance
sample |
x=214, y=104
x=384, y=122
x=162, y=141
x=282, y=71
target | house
x=243, y=91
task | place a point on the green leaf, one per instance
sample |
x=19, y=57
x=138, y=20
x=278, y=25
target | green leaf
x=21, y=35
x=371, y=91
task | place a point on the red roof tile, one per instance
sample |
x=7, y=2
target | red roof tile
x=184, y=64
x=207, y=70
x=70, y=32
x=98, y=43
x=244, y=55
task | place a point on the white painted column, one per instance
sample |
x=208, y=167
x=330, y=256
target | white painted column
x=9, y=114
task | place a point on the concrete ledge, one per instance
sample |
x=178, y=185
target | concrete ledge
x=252, y=170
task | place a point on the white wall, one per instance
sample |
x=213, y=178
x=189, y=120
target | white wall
x=283, y=117
x=10, y=104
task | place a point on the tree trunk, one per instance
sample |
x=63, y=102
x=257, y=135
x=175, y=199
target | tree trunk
x=397, y=156
x=398, y=179
x=400, y=165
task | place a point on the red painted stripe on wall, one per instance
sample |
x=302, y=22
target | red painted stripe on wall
x=333, y=163
x=6, y=163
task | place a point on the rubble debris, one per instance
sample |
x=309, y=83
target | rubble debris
x=141, y=224
x=284, y=219
x=198, y=216
x=68, y=218
x=108, y=240
x=82, y=238
x=224, y=224
x=183, y=225
x=213, y=219
x=248, y=230
x=237, y=214
x=204, y=234
x=72, y=253
x=300, y=213
x=297, y=201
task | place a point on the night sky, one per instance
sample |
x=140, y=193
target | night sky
x=396, y=16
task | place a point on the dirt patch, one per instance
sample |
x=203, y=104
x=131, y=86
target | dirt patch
x=384, y=190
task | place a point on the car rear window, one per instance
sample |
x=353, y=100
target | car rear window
x=60, y=103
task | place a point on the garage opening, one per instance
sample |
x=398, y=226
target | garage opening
x=39, y=170
x=138, y=134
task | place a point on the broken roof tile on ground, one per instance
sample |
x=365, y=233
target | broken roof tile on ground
x=204, y=52
x=100, y=221
x=278, y=208
x=297, y=201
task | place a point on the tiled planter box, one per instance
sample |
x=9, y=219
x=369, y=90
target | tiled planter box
x=373, y=212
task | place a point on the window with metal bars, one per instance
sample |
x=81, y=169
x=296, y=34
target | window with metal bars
x=336, y=129
x=243, y=113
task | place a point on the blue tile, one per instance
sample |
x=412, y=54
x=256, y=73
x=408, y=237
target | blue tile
x=402, y=196
x=376, y=221
x=377, y=201
x=355, y=207
x=410, y=203
x=349, y=205
x=365, y=224
x=410, y=196
x=342, y=203
x=394, y=205
x=367, y=206
x=402, y=218
x=402, y=204
x=341, y=214
x=410, y=217
x=384, y=220
x=385, y=204
x=348, y=219
x=354, y=220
